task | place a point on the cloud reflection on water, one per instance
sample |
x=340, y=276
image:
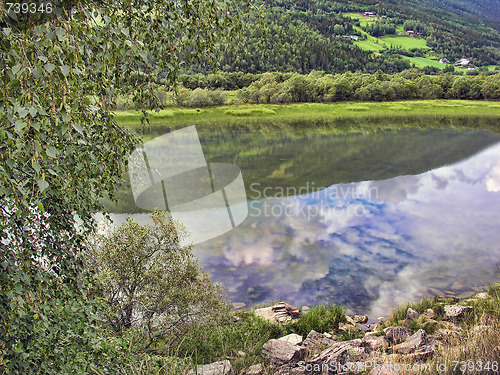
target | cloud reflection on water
x=384, y=243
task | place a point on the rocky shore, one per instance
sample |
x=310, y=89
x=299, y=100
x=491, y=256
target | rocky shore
x=381, y=348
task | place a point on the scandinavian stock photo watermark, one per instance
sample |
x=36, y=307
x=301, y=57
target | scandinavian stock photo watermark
x=309, y=201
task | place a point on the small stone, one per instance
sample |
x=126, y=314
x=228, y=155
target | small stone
x=411, y=315
x=235, y=319
x=304, y=309
x=430, y=314
x=423, y=354
x=327, y=335
x=345, y=327
x=466, y=295
x=481, y=296
x=456, y=312
x=358, y=318
x=292, y=338
x=255, y=370
x=241, y=353
x=457, y=286
x=216, y=368
x=411, y=344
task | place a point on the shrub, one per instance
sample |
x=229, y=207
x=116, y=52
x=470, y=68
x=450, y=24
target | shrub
x=153, y=285
x=320, y=319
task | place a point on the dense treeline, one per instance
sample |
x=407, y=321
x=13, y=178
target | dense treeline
x=298, y=42
x=317, y=86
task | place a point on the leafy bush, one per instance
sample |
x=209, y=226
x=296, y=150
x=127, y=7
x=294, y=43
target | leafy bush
x=319, y=318
x=153, y=284
x=200, y=97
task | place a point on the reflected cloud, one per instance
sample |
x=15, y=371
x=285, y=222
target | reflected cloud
x=384, y=243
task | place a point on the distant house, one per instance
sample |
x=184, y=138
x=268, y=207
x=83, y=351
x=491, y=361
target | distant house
x=463, y=62
x=444, y=61
x=410, y=33
x=354, y=37
x=420, y=34
x=369, y=14
x=346, y=36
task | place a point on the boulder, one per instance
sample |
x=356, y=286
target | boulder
x=255, y=370
x=316, y=341
x=397, y=335
x=280, y=351
x=422, y=354
x=292, y=338
x=359, y=318
x=339, y=354
x=375, y=342
x=414, y=342
x=456, y=312
x=216, y=368
x=282, y=312
x=411, y=315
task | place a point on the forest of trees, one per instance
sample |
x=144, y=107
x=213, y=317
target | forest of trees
x=202, y=90
x=305, y=35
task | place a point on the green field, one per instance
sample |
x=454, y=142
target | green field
x=421, y=62
x=492, y=67
x=363, y=20
x=176, y=117
x=405, y=42
x=368, y=45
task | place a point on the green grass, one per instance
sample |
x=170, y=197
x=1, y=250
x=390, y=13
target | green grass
x=368, y=45
x=421, y=62
x=404, y=42
x=363, y=20
x=492, y=67
x=320, y=319
x=175, y=117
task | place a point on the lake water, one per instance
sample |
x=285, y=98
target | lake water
x=368, y=219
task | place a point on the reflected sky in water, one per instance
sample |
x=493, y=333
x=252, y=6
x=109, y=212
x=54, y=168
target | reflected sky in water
x=370, y=245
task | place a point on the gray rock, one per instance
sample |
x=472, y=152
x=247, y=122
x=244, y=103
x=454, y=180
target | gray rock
x=216, y=368
x=282, y=312
x=255, y=370
x=339, y=354
x=481, y=296
x=359, y=318
x=375, y=342
x=316, y=341
x=416, y=341
x=292, y=338
x=456, y=312
x=345, y=327
x=422, y=354
x=411, y=315
x=279, y=351
x=397, y=335
x=430, y=314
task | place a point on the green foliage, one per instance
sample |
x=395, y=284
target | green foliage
x=200, y=97
x=319, y=318
x=367, y=87
x=153, y=284
x=61, y=152
x=399, y=315
x=248, y=335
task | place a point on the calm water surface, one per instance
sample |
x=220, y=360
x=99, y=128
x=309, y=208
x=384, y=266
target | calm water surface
x=366, y=220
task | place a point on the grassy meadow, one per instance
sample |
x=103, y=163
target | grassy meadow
x=176, y=117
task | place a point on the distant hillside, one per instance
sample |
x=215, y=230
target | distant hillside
x=366, y=35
